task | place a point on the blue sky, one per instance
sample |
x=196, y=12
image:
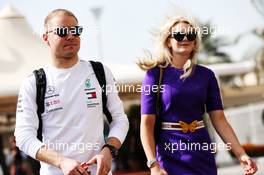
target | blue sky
x=125, y=25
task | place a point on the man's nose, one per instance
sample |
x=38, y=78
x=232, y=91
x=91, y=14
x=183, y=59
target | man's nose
x=70, y=36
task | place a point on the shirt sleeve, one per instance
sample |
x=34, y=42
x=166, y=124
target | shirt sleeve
x=213, y=96
x=119, y=126
x=148, y=95
x=26, y=118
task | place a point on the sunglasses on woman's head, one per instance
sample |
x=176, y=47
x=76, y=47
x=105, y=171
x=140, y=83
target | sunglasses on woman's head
x=65, y=31
x=179, y=36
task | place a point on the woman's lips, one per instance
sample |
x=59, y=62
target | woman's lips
x=184, y=44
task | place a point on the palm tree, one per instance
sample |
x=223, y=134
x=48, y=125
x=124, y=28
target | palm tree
x=210, y=53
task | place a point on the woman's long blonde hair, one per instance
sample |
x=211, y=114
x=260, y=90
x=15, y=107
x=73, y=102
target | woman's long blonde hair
x=162, y=56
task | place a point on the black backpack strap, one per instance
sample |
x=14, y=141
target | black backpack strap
x=40, y=96
x=98, y=69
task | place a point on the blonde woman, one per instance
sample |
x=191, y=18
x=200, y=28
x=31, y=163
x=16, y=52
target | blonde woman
x=188, y=90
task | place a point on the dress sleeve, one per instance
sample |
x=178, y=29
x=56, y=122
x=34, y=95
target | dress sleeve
x=213, y=96
x=148, y=93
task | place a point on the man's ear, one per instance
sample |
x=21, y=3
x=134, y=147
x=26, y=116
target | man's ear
x=45, y=38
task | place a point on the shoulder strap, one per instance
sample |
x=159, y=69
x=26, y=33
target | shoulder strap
x=158, y=120
x=98, y=69
x=158, y=93
x=40, y=96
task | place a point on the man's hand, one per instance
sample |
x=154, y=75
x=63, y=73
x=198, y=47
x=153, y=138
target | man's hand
x=103, y=161
x=67, y=165
x=71, y=167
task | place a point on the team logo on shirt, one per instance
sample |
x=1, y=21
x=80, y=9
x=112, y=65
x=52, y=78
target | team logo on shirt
x=90, y=94
x=50, y=90
x=87, y=83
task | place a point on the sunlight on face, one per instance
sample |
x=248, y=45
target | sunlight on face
x=67, y=46
x=181, y=47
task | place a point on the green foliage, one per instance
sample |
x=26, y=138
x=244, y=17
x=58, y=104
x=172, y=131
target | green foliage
x=211, y=46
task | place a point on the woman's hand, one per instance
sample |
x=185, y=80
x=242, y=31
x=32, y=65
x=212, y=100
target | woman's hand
x=248, y=165
x=157, y=170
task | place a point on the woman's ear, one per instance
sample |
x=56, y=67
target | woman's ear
x=168, y=43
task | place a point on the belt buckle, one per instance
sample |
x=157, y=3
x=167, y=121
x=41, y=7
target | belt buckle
x=188, y=127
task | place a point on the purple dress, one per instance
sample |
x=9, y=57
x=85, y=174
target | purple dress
x=186, y=100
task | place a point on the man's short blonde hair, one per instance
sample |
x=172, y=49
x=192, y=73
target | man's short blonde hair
x=57, y=12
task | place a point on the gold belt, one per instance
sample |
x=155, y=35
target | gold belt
x=183, y=126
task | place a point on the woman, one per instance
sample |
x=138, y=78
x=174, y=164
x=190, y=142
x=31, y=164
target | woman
x=188, y=90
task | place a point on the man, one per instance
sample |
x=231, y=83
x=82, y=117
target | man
x=73, y=117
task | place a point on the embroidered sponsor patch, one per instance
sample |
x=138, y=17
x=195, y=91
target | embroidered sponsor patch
x=52, y=100
x=19, y=104
x=90, y=94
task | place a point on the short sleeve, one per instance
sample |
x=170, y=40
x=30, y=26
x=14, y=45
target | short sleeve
x=213, y=96
x=148, y=96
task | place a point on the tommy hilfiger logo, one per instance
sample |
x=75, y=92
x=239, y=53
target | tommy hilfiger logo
x=91, y=95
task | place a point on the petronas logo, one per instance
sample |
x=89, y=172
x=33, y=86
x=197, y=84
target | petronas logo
x=87, y=83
